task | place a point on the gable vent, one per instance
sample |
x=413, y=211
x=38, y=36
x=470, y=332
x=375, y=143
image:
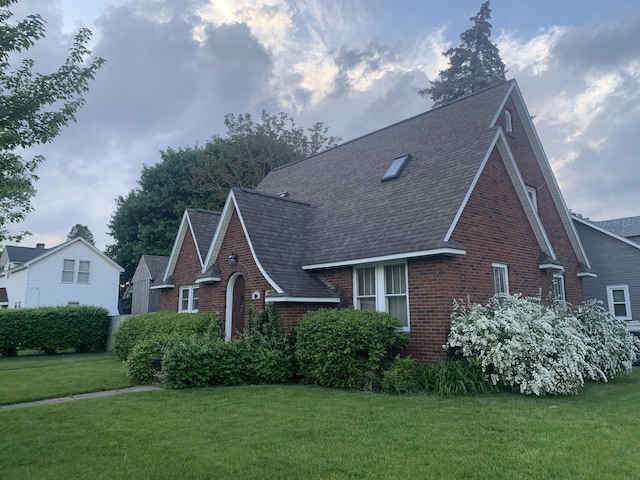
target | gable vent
x=396, y=167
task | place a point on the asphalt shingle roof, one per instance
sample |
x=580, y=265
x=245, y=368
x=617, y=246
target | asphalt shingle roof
x=357, y=216
x=204, y=223
x=156, y=265
x=624, y=227
x=23, y=254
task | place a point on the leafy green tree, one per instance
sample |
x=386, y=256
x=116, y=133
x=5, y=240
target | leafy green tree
x=33, y=107
x=147, y=219
x=474, y=65
x=83, y=231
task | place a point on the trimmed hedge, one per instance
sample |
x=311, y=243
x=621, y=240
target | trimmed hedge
x=142, y=327
x=342, y=348
x=83, y=328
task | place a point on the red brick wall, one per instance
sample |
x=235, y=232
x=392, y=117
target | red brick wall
x=187, y=268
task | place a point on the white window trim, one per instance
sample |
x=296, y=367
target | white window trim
x=189, y=289
x=87, y=272
x=76, y=271
x=381, y=296
x=508, y=122
x=559, y=279
x=72, y=271
x=505, y=268
x=627, y=301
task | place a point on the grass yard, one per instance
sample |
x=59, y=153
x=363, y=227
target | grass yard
x=24, y=379
x=301, y=432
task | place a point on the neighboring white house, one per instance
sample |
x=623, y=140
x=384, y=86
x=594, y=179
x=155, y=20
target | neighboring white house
x=73, y=273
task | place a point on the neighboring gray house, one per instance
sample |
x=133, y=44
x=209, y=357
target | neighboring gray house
x=628, y=227
x=150, y=268
x=616, y=260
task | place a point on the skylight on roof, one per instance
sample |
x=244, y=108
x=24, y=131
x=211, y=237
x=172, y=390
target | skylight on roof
x=396, y=167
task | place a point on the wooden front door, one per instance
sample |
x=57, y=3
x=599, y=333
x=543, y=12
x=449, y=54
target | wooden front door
x=237, y=312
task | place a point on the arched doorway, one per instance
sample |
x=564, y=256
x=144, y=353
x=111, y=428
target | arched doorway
x=235, y=315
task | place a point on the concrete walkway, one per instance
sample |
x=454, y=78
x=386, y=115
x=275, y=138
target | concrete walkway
x=50, y=401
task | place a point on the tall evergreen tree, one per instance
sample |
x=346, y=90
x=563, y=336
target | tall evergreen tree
x=474, y=65
x=79, y=230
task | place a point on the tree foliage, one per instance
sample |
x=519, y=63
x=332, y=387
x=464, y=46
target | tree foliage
x=33, y=107
x=147, y=219
x=474, y=65
x=83, y=231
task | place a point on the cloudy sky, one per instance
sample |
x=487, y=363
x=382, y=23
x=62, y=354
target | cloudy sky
x=176, y=67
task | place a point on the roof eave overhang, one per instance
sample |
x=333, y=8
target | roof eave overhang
x=387, y=258
x=550, y=266
x=161, y=287
x=588, y=274
x=208, y=280
x=292, y=299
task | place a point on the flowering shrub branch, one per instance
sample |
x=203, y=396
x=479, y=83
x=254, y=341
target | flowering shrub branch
x=539, y=349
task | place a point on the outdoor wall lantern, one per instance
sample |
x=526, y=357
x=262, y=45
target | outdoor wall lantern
x=233, y=259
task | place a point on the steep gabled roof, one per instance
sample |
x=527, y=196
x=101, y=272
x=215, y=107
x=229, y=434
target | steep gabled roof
x=201, y=225
x=624, y=227
x=156, y=264
x=277, y=229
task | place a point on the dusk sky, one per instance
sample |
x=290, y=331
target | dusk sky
x=176, y=67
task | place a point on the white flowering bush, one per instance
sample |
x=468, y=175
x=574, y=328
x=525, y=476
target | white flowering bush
x=538, y=349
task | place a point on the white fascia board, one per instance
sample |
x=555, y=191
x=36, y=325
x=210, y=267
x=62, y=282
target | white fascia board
x=230, y=206
x=502, y=104
x=268, y=299
x=453, y=225
x=193, y=235
x=552, y=266
x=161, y=287
x=208, y=280
x=588, y=274
x=550, y=178
x=177, y=243
x=386, y=258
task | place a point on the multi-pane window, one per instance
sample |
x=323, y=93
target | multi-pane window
x=189, y=299
x=500, y=279
x=71, y=275
x=558, y=288
x=383, y=288
x=619, y=302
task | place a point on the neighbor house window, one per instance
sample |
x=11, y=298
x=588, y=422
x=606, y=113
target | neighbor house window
x=189, y=299
x=619, y=302
x=558, y=288
x=71, y=275
x=500, y=279
x=383, y=288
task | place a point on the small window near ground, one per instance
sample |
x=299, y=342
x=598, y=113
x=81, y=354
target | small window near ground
x=619, y=302
x=500, y=279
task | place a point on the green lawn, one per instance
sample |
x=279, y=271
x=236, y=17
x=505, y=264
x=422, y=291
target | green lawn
x=24, y=379
x=301, y=432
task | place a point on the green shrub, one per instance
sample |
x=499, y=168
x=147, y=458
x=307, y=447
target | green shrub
x=230, y=362
x=148, y=325
x=188, y=361
x=338, y=348
x=402, y=377
x=83, y=328
x=455, y=377
x=138, y=363
x=271, y=353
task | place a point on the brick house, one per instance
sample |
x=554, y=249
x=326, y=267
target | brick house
x=457, y=202
x=178, y=286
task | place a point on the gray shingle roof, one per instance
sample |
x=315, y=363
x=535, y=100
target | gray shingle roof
x=358, y=217
x=279, y=232
x=624, y=227
x=23, y=254
x=204, y=223
x=156, y=265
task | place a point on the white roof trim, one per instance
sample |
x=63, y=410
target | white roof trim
x=386, y=258
x=606, y=232
x=588, y=274
x=62, y=246
x=230, y=206
x=268, y=299
x=208, y=279
x=175, y=251
x=552, y=266
x=502, y=104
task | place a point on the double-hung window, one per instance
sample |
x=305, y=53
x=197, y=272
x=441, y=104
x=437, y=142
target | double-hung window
x=76, y=271
x=383, y=288
x=189, y=299
x=619, y=301
x=558, y=288
x=500, y=279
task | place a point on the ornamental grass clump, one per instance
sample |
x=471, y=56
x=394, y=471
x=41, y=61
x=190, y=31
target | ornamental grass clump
x=538, y=349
